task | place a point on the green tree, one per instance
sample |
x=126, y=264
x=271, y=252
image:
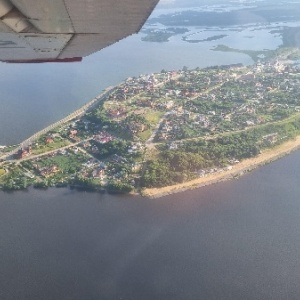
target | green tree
x=119, y=187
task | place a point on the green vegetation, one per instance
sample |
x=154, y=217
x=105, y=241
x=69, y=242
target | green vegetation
x=110, y=148
x=70, y=163
x=9, y=148
x=42, y=147
x=292, y=53
x=161, y=36
x=40, y=185
x=85, y=184
x=255, y=55
x=153, y=117
x=166, y=128
x=196, y=157
x=14, y=179
x=144, y=135
x=116, y=187
x=209, y=39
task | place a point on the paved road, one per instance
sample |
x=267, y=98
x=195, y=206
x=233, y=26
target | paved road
x=51, y=152
x=87, y=107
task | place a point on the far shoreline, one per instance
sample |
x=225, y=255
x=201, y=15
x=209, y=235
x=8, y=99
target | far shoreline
x=236, y=172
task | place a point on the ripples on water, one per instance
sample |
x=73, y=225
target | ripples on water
x=29, y=90
x=233, y=240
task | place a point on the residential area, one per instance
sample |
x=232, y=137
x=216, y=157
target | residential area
x=157, y=129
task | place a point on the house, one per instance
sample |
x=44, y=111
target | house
x=173, y=146
x=135, y=127
x=250, y=123
x=23, y=152
x=73, y=132
x=103, y=137
x=136, y=167
x=98, y=173
x=271, y=138
x=48, y=171
x=49, y=140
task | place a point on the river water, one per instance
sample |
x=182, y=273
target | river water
x=232, y=240
x=51, y=91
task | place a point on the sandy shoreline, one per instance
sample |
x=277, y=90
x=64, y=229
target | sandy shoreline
x=237, y=170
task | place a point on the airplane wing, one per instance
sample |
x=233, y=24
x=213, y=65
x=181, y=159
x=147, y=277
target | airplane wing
x=66, y=30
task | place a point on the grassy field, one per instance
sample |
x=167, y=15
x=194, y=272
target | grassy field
x=145, y=135
x=49, y=147
x=154, y=117
x=9, y=148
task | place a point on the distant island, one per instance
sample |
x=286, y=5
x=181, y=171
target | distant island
x=209, y=39
x=160, y=36
x=165, y=132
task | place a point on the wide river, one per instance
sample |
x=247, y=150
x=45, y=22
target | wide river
x=234, y=240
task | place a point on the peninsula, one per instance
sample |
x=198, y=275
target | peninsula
x=165, y=132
